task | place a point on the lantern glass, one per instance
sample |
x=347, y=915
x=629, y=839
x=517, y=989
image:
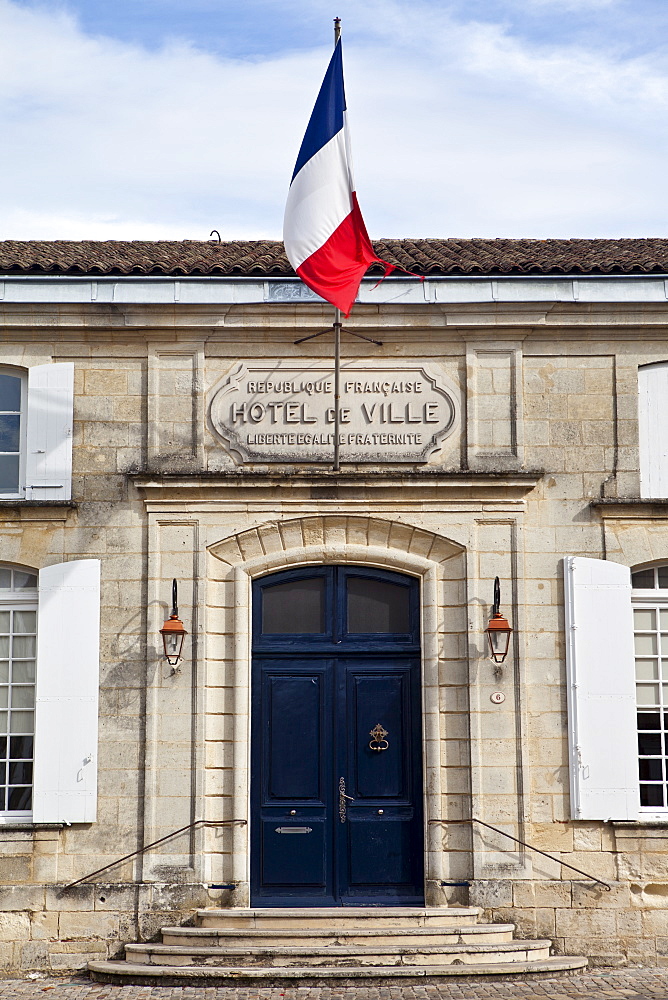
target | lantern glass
x=173, y=634
x=173, y=643
x=499, y=641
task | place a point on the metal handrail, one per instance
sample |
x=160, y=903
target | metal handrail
x=230, y=822
x=147, y=847
x=503, y=833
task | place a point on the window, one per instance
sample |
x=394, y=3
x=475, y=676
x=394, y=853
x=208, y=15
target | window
x=49, y=677
x=12, y=431
x=18, y=635
x=650, y=627
x=36, y=409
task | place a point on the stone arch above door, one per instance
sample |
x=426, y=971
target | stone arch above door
x=334, y=537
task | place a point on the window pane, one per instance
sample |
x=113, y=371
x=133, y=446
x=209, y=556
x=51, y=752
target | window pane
x=22, y=722
x=651, y=795
x=649, y=720
x=19, y=799
x=4, y=646
x=5, y=578
x=4, y=622
x=4, y=718
x=9, y=473
x=649, y=744
x=647, y=670
x=644, y=619
x=648, y=694
x=23, y=672
x=24, y=581
x=20, y=773
x=649, y=770
x=10, y=392
x=3, y=748
x=663, y=577
x=25, y=621
x=377, y=606
x=293, y=608
x=643, y=579
x=10, y=432
x=646, y=645
x=23, y=645
x=23, y=696
x=4, y=697
x=20, y=748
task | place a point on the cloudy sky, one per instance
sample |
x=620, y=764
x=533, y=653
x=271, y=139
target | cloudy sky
x=164, y=119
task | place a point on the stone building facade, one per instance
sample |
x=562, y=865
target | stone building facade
x=506, y=420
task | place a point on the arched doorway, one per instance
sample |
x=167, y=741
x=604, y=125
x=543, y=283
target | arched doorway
x=336, y=759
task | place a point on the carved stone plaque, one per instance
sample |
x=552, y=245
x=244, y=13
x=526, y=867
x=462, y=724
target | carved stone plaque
x=280, y=412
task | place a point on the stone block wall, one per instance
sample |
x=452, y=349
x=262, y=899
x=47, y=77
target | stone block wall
x=51, y=928
x=141, y=404
x=624, y=925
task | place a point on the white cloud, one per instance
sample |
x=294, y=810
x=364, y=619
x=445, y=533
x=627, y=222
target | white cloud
x=570, y=5
x=459, y=128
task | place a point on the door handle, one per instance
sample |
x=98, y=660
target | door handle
x=343, y=798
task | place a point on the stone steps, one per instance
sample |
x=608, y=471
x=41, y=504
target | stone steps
x=232, y=937
x=338, y=946
x=165, y=975
x=315, y=956
x=339, y=917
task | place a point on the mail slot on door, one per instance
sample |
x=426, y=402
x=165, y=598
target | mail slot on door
x=294, y=829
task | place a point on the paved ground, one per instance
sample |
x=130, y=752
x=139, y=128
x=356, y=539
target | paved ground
x=639, y=983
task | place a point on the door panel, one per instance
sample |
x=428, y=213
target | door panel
x=293, y=854
x=333, y=715
x=293, y=705
x=377, y=699
x=380, y=854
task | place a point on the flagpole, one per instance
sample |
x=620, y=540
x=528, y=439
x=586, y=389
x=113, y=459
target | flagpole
x=337, y=334
x=337, y=393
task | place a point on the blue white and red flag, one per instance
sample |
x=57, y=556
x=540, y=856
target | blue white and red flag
x=324, y=233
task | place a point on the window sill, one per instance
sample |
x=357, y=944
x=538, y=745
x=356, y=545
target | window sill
x=27, y=825
x=22, y=502
x=644, y=820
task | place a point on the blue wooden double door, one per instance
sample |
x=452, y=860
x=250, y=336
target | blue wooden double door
x=336, y=763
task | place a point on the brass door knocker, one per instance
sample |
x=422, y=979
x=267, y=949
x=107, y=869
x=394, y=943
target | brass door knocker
x=378, y=742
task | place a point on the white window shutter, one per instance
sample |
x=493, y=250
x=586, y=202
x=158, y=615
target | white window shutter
x=68, y=657
x=49, y=432
x=600, y=672
x=653, y=429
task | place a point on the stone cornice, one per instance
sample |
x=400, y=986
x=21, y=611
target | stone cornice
x=298, y=485
x=625, y=508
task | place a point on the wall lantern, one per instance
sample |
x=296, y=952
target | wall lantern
x=173, y=632
x=498, y=631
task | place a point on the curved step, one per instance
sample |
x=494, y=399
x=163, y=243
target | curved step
x=224, y=937
x=165, y=975
x=335, y=917
x=342, y=957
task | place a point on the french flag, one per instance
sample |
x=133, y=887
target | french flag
x=324, y=233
